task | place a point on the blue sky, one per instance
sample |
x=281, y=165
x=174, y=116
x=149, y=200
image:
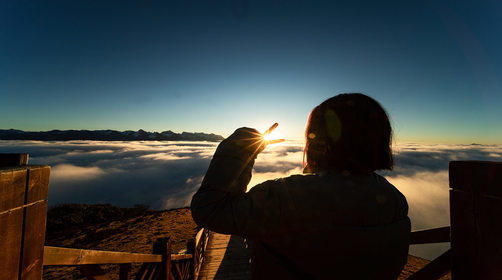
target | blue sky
x=214, y=66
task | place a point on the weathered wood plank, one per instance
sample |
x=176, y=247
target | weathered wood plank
x=198, y=236
x=226, y=258
x=11, y=228
x=162, y=246
x=197, y=247
x=434, y=235
x=34, y=238
x=38, y=183
x=181, y=257
x=13, y=159
x=12, y=188
x=67, y=256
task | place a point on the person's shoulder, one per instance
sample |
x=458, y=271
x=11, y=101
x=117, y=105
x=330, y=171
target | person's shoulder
x=297, y=177
x=394, y=190
x=300, y=180
x=382, y=181
x=287, y=182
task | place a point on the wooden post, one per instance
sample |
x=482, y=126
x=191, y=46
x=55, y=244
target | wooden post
x=12, y=193
x=162, y=246
x=476, y=226
x=23, y=207
x=192, y=250
x=35, y=217
x=13, y=160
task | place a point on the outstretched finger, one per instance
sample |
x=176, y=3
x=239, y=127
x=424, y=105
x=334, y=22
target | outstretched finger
x=270, y=129
x=275, y=141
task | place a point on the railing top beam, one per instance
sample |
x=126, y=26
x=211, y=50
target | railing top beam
x=69, y=256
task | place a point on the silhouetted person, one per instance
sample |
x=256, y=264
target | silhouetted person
x=339, y=220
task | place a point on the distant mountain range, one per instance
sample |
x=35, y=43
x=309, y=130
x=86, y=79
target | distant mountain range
x=106, y=135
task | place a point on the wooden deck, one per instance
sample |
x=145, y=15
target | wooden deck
x=226, y=258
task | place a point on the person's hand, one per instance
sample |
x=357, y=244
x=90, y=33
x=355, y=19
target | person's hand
x=272, y=141
x=250, y=140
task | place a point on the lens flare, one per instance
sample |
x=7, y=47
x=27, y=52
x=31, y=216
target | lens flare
x=272, y=136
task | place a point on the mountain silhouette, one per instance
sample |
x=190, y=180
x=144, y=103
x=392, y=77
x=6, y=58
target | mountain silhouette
x=107, y=135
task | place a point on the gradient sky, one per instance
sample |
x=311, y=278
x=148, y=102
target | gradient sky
x=213, y=66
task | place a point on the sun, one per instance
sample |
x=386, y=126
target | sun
x=272, y=136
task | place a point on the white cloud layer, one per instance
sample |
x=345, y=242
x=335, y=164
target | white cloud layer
x=166, y=174
x=68, y=173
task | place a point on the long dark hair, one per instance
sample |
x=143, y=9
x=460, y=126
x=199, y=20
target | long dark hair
x=349, y=132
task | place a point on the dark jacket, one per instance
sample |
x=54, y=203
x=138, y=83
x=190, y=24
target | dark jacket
x=315, y=226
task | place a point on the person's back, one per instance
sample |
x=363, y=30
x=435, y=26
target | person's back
x=352, y=227
x=333, y=222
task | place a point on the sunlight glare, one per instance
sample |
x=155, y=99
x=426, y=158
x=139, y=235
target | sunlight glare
x=272, y=136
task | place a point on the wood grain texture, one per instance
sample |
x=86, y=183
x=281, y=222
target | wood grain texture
x=198, y=247
x=226, y=257
x=12, y=188
x=67, y=256
x=38, y=183
x=162, y=246
x=181, y=257
x=35, y=217
x=11, y=228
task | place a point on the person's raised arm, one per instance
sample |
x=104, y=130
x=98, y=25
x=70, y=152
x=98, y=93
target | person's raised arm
x=221, y=203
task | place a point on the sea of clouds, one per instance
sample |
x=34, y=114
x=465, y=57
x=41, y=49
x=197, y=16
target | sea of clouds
x=165, y=175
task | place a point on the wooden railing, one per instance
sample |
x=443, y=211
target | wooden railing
x=161, y=265
x=442, y=264
x=197, y=248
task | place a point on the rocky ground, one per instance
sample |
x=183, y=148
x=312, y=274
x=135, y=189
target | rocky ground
x=106, y=227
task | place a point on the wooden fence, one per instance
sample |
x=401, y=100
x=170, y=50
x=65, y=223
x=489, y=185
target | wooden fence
x=197, y=247
x=162, y=264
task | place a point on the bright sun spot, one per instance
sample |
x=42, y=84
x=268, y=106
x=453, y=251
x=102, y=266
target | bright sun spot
x=273, y=135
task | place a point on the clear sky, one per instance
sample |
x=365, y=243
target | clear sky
x=213, y=66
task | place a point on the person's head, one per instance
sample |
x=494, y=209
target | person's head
x=351, y=133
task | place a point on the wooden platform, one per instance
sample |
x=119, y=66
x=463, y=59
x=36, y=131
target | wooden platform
x=226, y=258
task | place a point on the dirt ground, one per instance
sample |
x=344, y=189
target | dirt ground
x=135, y=235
